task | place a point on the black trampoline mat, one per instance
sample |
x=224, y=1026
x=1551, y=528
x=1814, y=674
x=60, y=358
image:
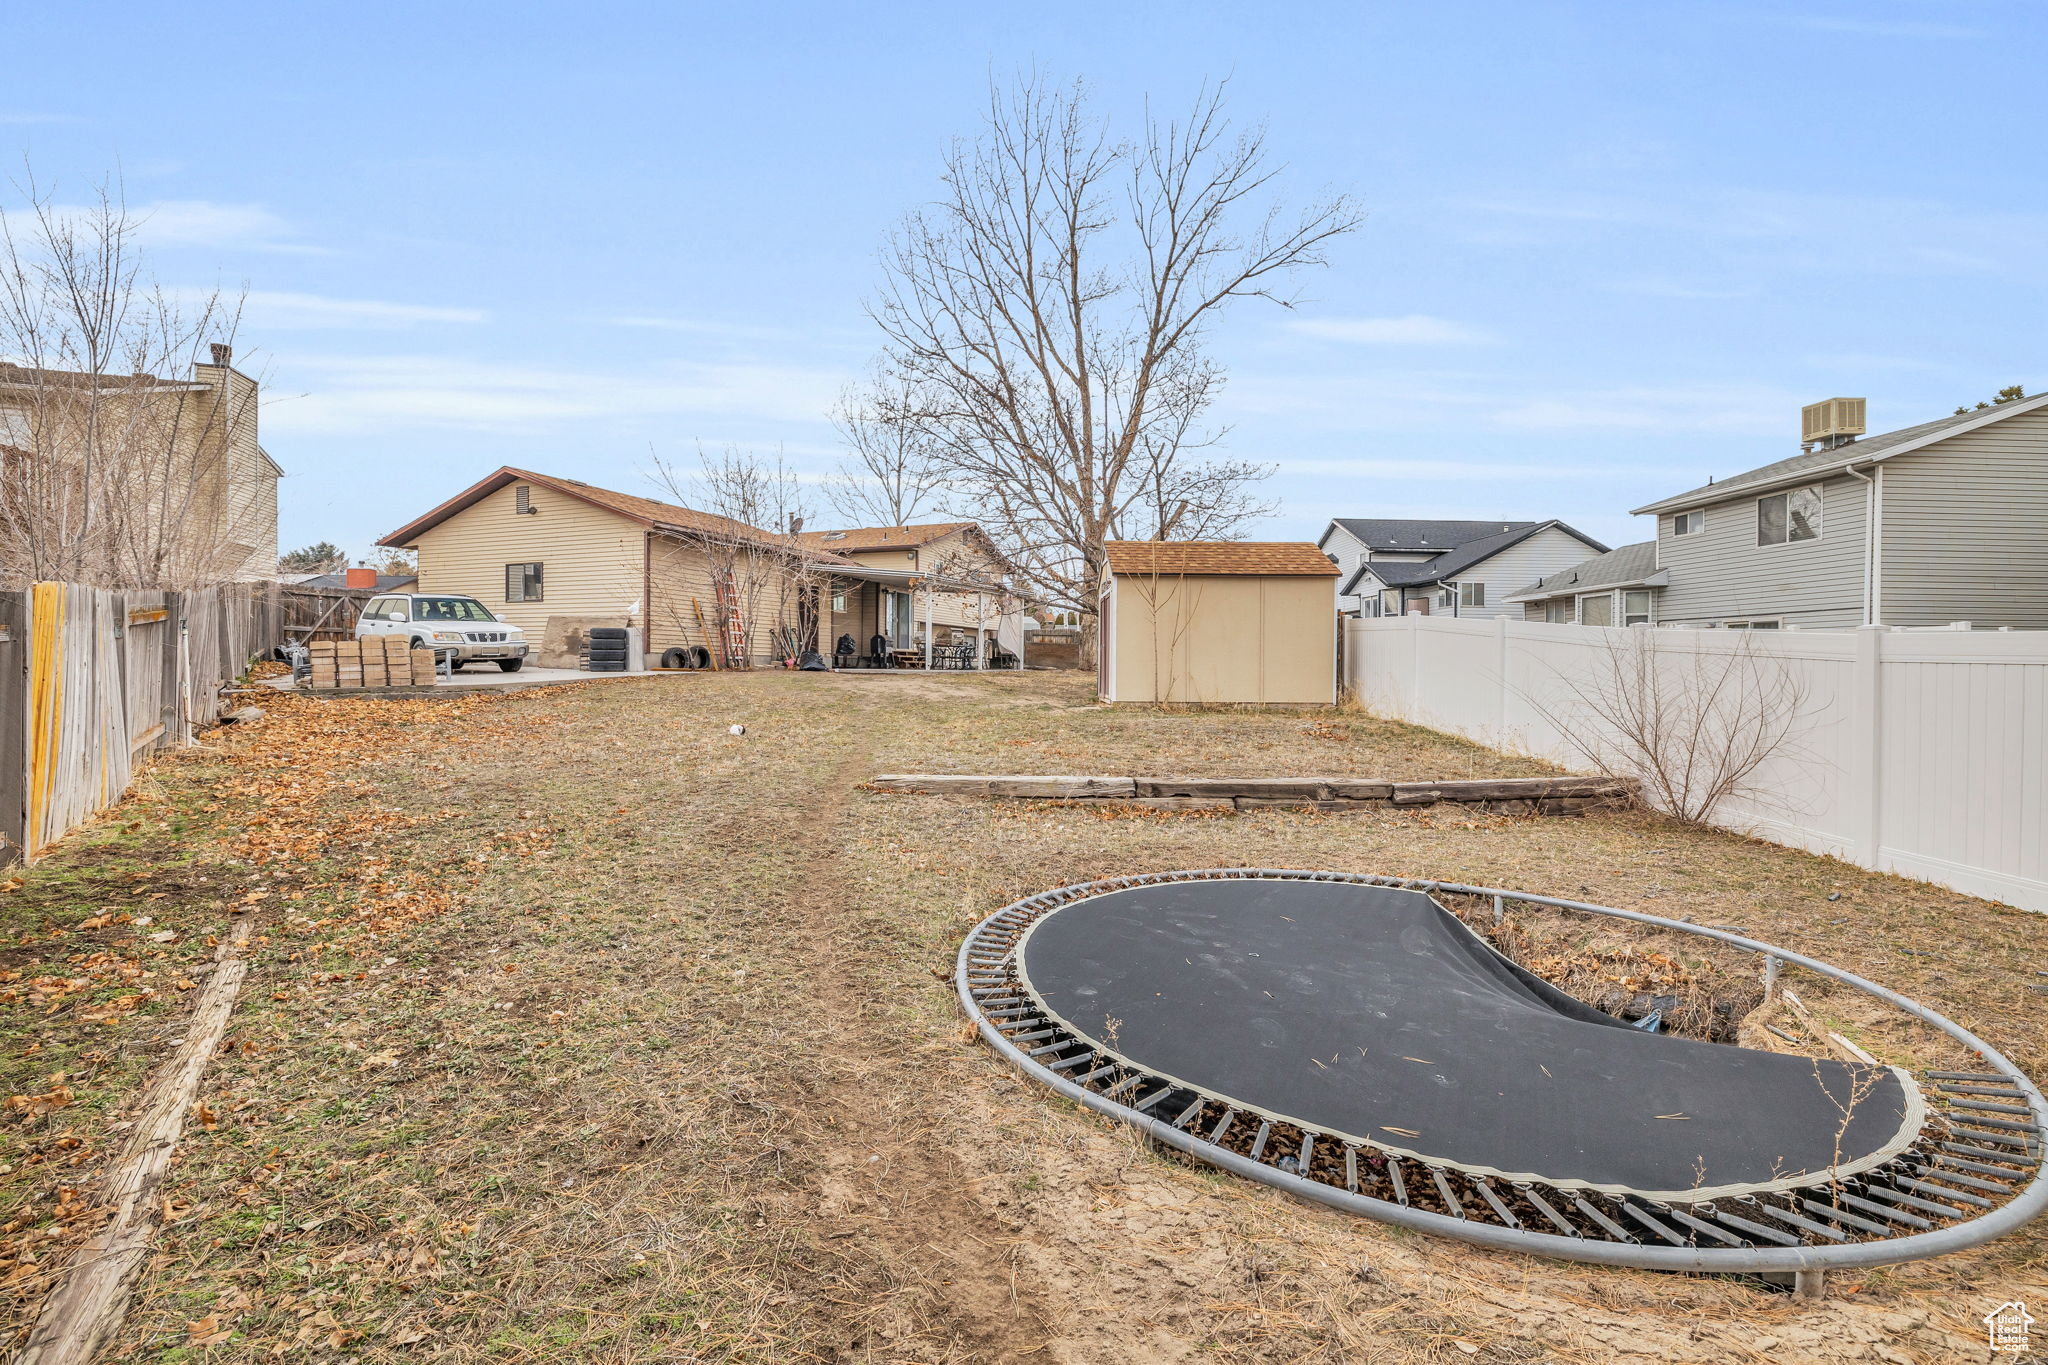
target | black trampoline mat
x=1374, y=1015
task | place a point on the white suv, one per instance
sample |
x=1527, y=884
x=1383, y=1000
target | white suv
x=446, y=623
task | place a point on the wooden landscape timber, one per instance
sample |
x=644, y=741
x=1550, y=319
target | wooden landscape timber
x=1503, y=795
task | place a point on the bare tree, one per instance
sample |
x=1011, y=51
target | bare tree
x=1048, y=315
x=765, y=586
x=114, y=470
x=890, y=475
x=1692, y=722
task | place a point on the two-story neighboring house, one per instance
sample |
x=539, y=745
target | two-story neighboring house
x=135, y=479
x=1392, y=566
x=1941, y=522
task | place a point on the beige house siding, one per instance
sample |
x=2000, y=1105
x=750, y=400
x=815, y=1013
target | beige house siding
x=1722, y=574
x=245, y=488
x=1222, y=639
x=592, y=560
x=683, y=580
x=1965, y=529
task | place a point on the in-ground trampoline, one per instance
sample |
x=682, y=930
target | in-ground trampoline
x=1348, y=1039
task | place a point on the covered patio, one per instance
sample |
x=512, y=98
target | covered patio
x=888, y=618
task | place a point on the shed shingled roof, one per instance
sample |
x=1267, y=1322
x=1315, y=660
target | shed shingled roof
x=1295, y=558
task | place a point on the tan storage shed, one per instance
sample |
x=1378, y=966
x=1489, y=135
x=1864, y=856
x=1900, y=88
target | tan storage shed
x=1218, y=623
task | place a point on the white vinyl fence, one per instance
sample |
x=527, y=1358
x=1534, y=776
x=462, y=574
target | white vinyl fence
x=1918, y=752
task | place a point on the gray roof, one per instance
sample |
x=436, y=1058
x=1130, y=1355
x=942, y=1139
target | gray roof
x=1397, y=533
x=386, y=582
x=1400, y=574
x=1624, y=565
x=1869, y=448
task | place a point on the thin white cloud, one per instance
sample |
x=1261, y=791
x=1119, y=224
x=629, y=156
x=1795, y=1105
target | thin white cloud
x=300, y=312
x=204, y=223
x=1415, y=329
x=389, y=393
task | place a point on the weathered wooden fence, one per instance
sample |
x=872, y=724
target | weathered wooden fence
x=308, y=614
x=91, y=680
x=1918, y=752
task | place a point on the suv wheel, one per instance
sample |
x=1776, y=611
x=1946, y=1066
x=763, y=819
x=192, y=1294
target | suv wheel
x=511, y=665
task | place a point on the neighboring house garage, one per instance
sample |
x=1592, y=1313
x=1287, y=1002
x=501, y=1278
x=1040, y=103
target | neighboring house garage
x=1218, y=622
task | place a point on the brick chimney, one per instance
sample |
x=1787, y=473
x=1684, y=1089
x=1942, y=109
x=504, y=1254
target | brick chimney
x=222, y=353
x=362, y=578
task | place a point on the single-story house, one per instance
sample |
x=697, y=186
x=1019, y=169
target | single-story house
x=1618, y=588
x=942, y=584
x=555, y=556
x=1935, y=523
x=1450, y=568
x=1217, y=622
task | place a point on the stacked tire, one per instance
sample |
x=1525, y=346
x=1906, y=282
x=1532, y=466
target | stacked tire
x=605, y=650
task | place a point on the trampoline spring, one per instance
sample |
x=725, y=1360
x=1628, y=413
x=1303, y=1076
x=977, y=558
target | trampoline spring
x=1078, y=1059
x=1161, y=1093
x=1844, y=1217
x=1033, y=1037
x=1892, y=1196
x=1642, y=1216
x=1959, y=1088
x=1222, y=1125
x=1543, y=1207
x=1968, y=1076
x=2008, y=1125
x=1500, y=1210
x=1099, y=1071
x=1050, y=1048
x=1351, y=1169
x=1606, y=1224
x=1755, y=1229
x=1189, y=1112
x=1785, y=1215
x=1996, y=1139
x=1127, y=1083
x=1959, y=1196
x=1443, y=1187
x=1259, y=1142
x=1968, y=1182
x=1400, y=1185
x=1700, y=1225
x=1987, y=1107
x=1012, y=1012
x=1956, y=1163
x=1989, y=1153
x=1885, y=1211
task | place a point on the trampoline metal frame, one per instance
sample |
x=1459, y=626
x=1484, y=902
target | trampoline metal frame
x=2027, y=1204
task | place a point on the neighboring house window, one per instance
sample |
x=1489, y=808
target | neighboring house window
x=522, y=583
x=1786, y=517
x=1689, y=523
x=1471, y=594
x=1558, y=611
x=1753, y=625
x=1597, y=610
x=1444, y=597
x=522, y=499
x=14, y=429
x=1635, y=607
x=839, y=601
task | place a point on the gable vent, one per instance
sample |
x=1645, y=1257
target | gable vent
x=522, y=500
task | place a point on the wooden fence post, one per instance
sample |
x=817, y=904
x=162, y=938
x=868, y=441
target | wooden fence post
x=14, y=647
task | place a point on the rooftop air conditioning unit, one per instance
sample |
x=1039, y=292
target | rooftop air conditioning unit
x=1830, y=421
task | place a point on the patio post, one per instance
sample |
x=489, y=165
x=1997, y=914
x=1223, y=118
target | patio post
x=981, y=630
x=927, y=625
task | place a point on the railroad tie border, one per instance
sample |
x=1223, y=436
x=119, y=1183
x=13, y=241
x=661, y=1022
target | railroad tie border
x=1501, y=795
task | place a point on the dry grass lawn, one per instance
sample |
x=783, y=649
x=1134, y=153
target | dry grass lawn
x=581, y=1030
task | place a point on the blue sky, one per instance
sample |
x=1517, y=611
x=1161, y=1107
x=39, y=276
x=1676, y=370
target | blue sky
x=1612, y=248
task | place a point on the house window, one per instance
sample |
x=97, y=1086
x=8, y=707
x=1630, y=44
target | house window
x=1783, y=518
x=522, y=583
x=1597, y=610
x=1471, y=594
x=1635, y=607
x=1753, y=625
x=839, y=601
x=15, y=429
x=1445, y=597
x=1558, y=611
x=1689, y=523
x=522, y=499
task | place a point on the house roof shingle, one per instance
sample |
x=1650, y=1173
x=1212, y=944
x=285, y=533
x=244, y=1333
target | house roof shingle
x=1881, y=447
x=660, y=516
x=1625, y=564
x=1256, y=557
x=1399, y=533
x=1403, y=574
x=859, y=538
